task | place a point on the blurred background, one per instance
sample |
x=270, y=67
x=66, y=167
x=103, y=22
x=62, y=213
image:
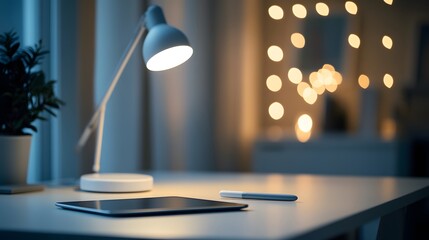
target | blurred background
x=300, y=86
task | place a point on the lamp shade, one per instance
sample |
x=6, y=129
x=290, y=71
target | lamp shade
x=164, y=47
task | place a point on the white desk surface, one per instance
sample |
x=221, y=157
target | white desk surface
x=327, y=206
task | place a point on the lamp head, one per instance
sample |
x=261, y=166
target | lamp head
x=164, y=47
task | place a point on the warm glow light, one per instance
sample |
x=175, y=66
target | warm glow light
x=351, y=7
x=320, y=89
x=299, y=11
x=275, y=53
x=302, y=136
x=276, y=12
x=388, y=129
x=337, y=77
x=388, y=80
x=322, y=9
x=309, y=95
x=276, y=110
x=331, y=87
x=305, y=123
x=315, y=81
x=326, y=75
x=387, y=42
x=325, y=78
x=169, y=58
x=389, y=2
x=312, y=77
x=301, y=87
x=295, y=75
x=297, y=40
x=354, y=40
x=274, y=83
x=363, y=81
x=328, y=67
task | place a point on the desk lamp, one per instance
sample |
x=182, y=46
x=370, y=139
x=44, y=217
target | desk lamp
x=164, y=47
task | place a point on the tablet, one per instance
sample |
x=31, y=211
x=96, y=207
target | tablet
x=150, y=206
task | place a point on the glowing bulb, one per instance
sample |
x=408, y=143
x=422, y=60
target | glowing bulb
x=305, y=123
x=299, y=11
x=363, y=81
x=354, y=40
x=169, y=58
x=274, y=83
x=275, y=53
x=388, y=80
x=387, y=42
x=322, y=9
x=351, y=7
x=295, y=75
x=297, y=40
x=276, y=110
x=389, y=2
x=276, y=12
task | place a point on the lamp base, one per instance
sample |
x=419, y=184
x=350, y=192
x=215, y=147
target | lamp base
x=116, y=182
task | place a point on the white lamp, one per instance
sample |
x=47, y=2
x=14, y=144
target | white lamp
x=164, y=47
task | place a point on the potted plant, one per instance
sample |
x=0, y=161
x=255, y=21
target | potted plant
x=24, y=97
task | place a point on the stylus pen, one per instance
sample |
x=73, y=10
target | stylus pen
x=261, y=196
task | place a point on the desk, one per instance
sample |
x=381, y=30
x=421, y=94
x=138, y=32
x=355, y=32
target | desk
x=327, y=206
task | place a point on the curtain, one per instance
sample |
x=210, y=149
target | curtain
x=205, y=113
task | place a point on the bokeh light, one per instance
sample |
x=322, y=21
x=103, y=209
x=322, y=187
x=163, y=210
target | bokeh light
x=297, y=40
x=351, y=7
x=295, y=75
x=300, y=135
x=363, y=81
x=354, y=40
x=388, y=2
x=388, y=80
x=299, y=11
x=305, y=123
x=300, y=88
x=274, y=83
x=322, y=9
x=309, y=95
x=276, y=12
x=276, y=110
x=275, y=53
x=387, y=42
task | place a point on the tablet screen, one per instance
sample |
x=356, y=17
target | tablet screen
x=150, y=206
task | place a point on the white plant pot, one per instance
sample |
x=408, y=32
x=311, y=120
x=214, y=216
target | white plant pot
x=14, y=158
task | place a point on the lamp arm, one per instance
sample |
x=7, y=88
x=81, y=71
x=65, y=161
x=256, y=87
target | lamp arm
x=98, y=115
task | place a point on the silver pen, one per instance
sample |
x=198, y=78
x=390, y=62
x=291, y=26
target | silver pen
x=261, y=196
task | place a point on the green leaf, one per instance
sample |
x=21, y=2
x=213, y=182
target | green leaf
x=24, y=95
